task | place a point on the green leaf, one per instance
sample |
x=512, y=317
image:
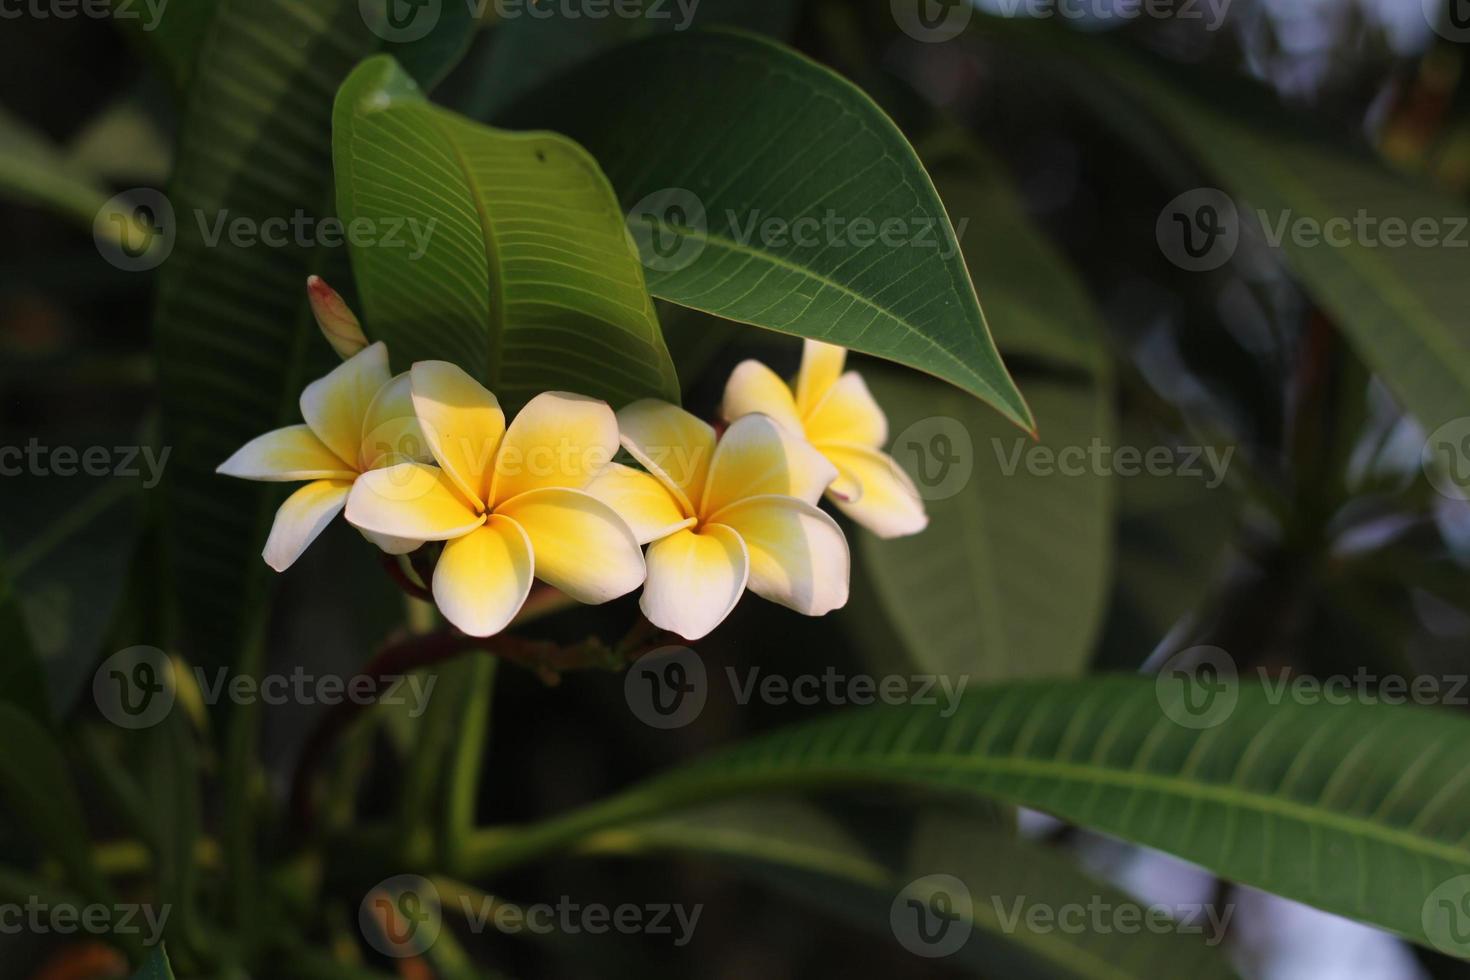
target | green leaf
x=527, y=50
x=526, y=279
x=156, y=967
x=234, y=337
x=1356, y=808
x=804, y=852
x=765, y=134
x=172, y=808
x=38, y=793
x=1403, y=308
x=1012, y=575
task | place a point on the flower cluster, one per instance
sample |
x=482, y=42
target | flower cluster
x=427, y=456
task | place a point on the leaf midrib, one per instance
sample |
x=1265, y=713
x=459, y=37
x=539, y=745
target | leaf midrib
x=908, y=765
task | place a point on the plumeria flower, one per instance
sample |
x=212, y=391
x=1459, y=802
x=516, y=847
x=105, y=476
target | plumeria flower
x=836, y=413
x=358, y=418
x=721, y=516
x=509, y=502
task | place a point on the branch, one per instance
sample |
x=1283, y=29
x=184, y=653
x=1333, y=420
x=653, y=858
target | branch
x=548, y=660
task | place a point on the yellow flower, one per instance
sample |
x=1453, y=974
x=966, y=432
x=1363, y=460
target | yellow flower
x=724, y=516
x=836, y=413
x=509, y=502
x=357, y=418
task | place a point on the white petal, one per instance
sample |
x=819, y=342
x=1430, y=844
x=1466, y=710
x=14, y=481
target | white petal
x=483, y=578
x=334, y=406
x=645, y=504
x=820, y=366
x=413, y=501
x=287, y=455
x=672, y=444
x=390, y=431
x=798, y=555
x=557, y=440
x=889, y=504
x=582, y=546
x=694, y=580
x=848, y=413
x=391, y=545
x=755, y=388
x=303, y=516
x=756, y=457
x=462, y=422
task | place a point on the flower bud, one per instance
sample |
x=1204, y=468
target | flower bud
x=339, y=325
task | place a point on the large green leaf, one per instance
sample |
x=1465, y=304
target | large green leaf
x=1401, y=305
x=1357, y=808
x=768, y=140
x=156, y=967
x=234, y=337
x=803, y=851
x=526, y=276
x=1012, y=575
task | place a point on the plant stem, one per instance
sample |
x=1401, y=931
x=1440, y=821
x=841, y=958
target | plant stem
x=468, y=759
